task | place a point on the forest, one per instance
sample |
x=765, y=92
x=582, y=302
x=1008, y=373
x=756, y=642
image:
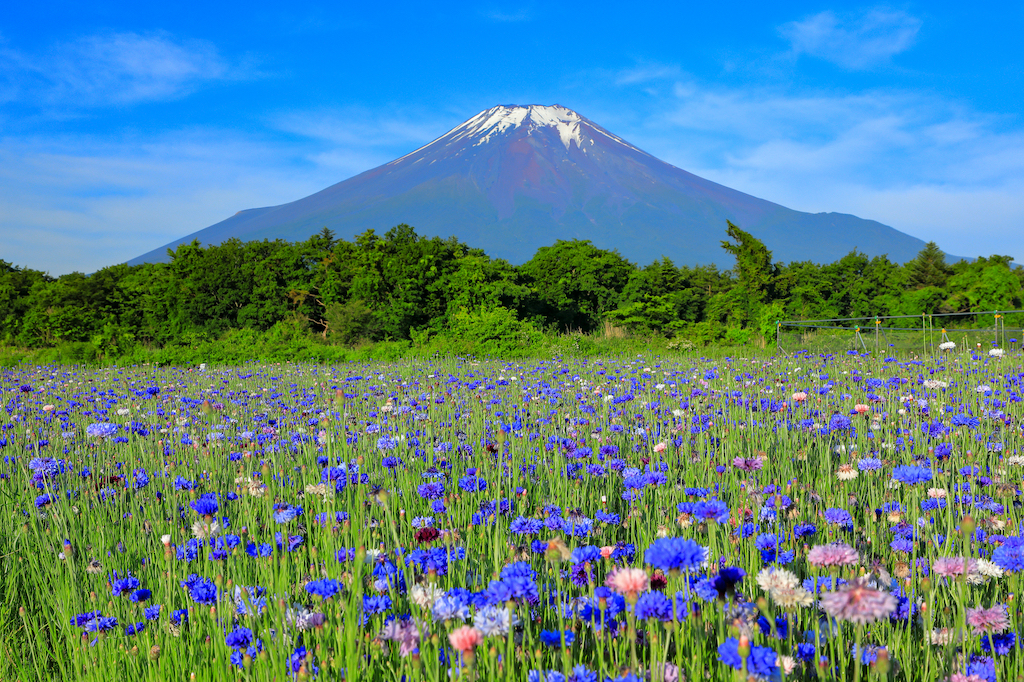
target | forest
x=407, y=290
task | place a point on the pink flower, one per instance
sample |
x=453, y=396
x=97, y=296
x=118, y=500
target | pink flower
x=858, y=603
x=606, y=552
x=465, y=639
x=799, y=396
x=660, y=447
x=993, y=619
x=960, y=677
x=835, y=554
x=861, y=409
x=628, y=581
x=950, y=567
x=747, y=463
x=406, y=633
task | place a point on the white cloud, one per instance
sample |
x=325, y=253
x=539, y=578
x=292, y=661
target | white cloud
x=647, y=72
x=508, y=17
x=853, y=42
x=919, y=163
x=79, y=203
x=82, y=203
x=112, y=69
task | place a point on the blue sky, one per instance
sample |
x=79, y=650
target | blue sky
x=126, y=125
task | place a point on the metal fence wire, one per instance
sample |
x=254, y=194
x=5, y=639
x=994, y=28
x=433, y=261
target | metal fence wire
x=904, y=334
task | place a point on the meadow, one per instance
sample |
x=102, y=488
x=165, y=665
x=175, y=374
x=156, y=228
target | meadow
x=833, y=516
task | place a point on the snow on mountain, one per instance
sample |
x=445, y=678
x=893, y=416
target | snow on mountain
x=514, y=178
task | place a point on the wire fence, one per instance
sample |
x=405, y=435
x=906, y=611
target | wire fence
x=904, y=334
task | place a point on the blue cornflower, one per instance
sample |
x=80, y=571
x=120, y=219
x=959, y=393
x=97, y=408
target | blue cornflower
x=1000, y=644
x=761, y=661
x=803, y=530
x=653, y=605
x=123, y=586
x=675, y=554
x=910, y=475
x=525, y=526
x=727, y=579
x=713, y=509
x=838, y=517
x=239, y=638
x=140, y=596
x=449, y=607
x=1010, y=555
x=101, y=430
x=376, y=604
x=283, y=513
x=135, y=628
x=431, y=491
x=100, y=624
x=206, y=504
x=324, y=588
x=472, y=484
x=203, y=591
x=81, y=619
x=553, y=638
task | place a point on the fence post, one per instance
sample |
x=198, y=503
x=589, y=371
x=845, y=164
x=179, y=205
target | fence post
x=877, y=322
x=924, y=334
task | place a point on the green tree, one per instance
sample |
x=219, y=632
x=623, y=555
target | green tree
x=755, y=273
x=928, y=269
x=575, y=284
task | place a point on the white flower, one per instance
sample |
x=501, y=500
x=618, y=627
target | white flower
x=988, y=568
x=774, y=578
x=933, y=384
x=947, y=345
x=1015, y=460
x=202, y=530
x=424, y=596
x=846, y=473
x=792, y=597
x=983, y=389
x=943, y=636
x=996, y=353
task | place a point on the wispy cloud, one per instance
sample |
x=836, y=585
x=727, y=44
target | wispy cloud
x=113, y=69
x=647, y=72
x=854, y=41
x=923, y=164
x=82, y=203
x=503, y=16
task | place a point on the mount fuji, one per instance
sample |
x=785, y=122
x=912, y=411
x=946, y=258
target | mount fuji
x=515, y=178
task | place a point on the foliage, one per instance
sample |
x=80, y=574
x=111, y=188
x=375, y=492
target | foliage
x=336, y=297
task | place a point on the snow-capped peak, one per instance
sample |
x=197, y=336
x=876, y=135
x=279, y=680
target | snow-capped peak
x=486, y=125
x=498, y=119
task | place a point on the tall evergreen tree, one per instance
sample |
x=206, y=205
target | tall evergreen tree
x=928, y=269
x=755, y=273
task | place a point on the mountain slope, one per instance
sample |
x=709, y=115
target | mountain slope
x=515, y=178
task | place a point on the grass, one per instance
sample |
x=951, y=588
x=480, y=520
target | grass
x=564, y=442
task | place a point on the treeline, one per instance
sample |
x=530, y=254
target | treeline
x=401, y=286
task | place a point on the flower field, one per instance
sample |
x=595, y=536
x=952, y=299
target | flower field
x=674, y=518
